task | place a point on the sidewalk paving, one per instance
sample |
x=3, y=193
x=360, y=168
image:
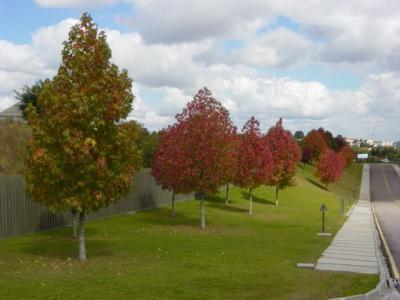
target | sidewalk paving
x=354, y=248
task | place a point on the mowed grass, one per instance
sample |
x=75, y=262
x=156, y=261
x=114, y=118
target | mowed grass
x=150, y=255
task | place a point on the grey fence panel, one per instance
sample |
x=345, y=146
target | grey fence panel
x=19, y=214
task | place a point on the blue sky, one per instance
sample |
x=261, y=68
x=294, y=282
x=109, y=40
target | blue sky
x=319, y=64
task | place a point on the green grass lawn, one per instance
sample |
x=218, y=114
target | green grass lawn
x=150, y=255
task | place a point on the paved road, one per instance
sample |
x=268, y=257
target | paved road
x=385, y=195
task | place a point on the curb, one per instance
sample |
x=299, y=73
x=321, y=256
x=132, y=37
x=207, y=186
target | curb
x=392, y=264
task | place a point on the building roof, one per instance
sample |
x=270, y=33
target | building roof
x=12, y=112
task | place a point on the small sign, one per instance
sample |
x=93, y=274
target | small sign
x=323, y=208
x=362, y=155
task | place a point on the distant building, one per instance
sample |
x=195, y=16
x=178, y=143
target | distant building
x=14, y=113
x=371, y=142
x=387, y=143
x=353, y=142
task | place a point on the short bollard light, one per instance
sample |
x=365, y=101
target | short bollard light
x=323, y=209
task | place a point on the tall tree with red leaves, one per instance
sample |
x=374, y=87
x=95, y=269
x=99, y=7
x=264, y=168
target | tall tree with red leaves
x=315, y=141
x=231, y=169
x=286, y=154
x=347, y=154
x=255, y=163
x=203, y=135
x=169, y=167
x=329, y=166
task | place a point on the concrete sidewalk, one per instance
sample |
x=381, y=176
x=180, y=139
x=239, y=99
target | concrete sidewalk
x=354, y=248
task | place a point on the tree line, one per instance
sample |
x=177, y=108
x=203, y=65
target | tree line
x=83, y=151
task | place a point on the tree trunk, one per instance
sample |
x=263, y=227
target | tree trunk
x=251, y=202
x=173, y=203
x=277, y=196
x=74, y=223
x=226, y=194
x=82, y=251
x=202, y=212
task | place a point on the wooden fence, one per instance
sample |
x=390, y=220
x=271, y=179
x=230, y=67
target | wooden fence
x=19, y=214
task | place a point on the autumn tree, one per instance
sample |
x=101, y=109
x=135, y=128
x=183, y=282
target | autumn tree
x=328, y=137
x=315, y=141
x=340, y=142
x=329, y=166
x=205, y=151
x=82, y=155
x=231, y=169
x=306, y=155
x=347, y=155
x=255, y=163
x=170, y=168
x=285, y=153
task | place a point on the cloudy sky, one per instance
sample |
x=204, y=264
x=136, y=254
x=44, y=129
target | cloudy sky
x=334, y=64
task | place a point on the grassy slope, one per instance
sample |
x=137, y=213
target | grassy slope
x=150, y=255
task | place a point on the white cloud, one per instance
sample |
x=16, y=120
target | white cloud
x=181, y=21
x=75, y=3
x=47, y=41
x=175, y=71
x=278, y=48
x=18, y=58
x=156, y=65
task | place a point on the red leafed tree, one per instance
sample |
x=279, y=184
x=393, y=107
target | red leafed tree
x=315, y=141
x=347, y=154
x=286, y=154
x=169, y=167
x=231, y=169
x=329, y=166
x=255, y=163
x=203, y=152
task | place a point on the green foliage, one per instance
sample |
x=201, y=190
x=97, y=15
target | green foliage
x=392, y=153
x=29, y=95
x=299, y=135
x=147, y=142
x=14, y=137
x=82, y=155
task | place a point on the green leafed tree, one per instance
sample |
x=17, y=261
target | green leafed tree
x=29, y=96
x=82, y=156
x=299, y=135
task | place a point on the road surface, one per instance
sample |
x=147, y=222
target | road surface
x=385, y=195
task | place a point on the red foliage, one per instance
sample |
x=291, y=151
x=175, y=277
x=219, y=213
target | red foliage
x=255, y=161
x=167, y=158
x=347, y=154
x=330, y=166
x=306, y=155
x=197, y=151
x=315, y=141
x=285, y=153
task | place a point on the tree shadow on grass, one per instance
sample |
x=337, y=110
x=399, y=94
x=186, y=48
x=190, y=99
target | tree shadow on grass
x=66, y=231
x=246, y=195
x=228, y=207
x=163, y=216
x=63, y=247
x=317, y=184
x=215, y=199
